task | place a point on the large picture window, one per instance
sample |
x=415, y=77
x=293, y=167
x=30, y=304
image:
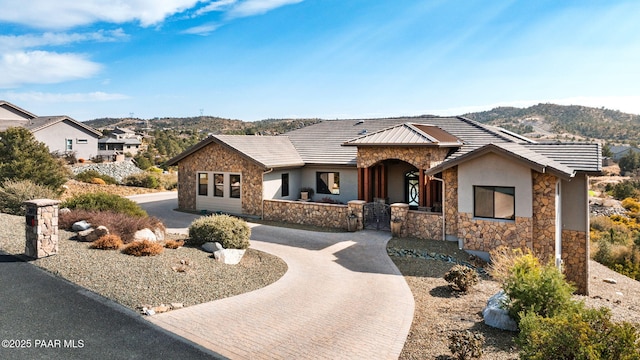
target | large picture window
x=203, y=184
x=218, y=185
x=328, y=183
x=234, y=186
x=494, y=202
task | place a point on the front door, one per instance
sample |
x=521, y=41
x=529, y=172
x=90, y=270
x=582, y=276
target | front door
x=412, y=189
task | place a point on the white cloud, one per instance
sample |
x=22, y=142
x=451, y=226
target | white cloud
x=56, y=98
x=205, y=29
x=257, y=7
x=219, y=5
x=56, y=39
x=43, y=67
x=65, y=14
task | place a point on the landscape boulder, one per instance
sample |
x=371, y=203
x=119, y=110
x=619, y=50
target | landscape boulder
x=145, y=234
x=229, y=256
x=496, y=316
x=91, y=234
x=211, y=247
x=80, y=226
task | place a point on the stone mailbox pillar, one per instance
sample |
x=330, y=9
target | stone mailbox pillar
x=41, y=228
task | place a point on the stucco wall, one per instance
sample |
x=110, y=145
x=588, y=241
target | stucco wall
x=273, y=184
x=575, y=204
x=348, y=182
x=495, y=170
x=55, y=137
x=215, y=157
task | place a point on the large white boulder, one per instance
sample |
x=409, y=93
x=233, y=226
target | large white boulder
x=496, y=316
x=229, y=256
x=211, y=247
x=80, y=225
x=145, y=234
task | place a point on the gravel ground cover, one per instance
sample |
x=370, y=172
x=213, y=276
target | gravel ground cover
x=439, y=311
x=152, y=281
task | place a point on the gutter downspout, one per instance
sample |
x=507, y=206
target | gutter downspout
x=262, y=184
x=444, y=236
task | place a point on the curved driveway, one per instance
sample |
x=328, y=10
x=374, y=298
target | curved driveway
x=341, y=298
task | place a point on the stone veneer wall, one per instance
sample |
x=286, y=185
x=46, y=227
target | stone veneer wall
x=423, y=225
x=450, y=177
x=544, y=215
x=418, y=156
x=308, y=213
x=486, y=235
x=575, y=255
x=215, y=157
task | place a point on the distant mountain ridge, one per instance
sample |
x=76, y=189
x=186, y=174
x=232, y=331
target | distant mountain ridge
x=544, y=121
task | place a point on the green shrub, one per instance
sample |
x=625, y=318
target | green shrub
x=580, y=333
x=466, y=344
x=145, y=180
x=89, y=175
x=22, y=157
x=461, y=277
x=533, y=287
x=14, y=193
x=104, y=202
x=229, y=231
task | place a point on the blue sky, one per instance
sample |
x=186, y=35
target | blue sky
x=260, y=59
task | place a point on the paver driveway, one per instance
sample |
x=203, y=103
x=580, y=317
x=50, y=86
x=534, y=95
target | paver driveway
x=341, y=298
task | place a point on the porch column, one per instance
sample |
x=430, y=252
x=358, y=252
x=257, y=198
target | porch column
x=360, y=184
x=422, y=187
x=367, y=184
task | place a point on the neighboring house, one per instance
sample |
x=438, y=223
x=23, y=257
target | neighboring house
x=484, y=187
x=620, y=151
x=62, y=134
x=120, y=142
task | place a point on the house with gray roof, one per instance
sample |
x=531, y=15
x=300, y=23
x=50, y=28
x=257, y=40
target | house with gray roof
x=62, y=134
x=447, y=178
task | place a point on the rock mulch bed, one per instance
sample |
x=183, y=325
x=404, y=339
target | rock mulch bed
x=149, y=281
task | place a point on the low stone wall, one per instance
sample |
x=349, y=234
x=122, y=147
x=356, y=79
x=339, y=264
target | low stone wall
x=307, y=213
x=424, y=225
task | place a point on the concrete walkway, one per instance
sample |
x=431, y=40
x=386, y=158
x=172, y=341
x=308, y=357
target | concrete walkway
x=341, y=298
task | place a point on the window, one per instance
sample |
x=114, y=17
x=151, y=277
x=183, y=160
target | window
x=69, y=146
x=218, y=185
x=203, y=184
x=285, y=185
x=328, y=183
x=494, y=202
x=82, y=141
x=234, y=186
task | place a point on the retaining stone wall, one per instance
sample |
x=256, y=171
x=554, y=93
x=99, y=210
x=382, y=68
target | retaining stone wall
x=424, y=225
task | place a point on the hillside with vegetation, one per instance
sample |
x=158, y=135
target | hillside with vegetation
x=559, y=122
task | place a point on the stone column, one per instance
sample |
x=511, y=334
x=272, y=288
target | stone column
x=356, y=207
x=399, y=213
x=41, y=228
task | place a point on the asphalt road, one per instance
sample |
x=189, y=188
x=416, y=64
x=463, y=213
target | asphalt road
x=46, y=317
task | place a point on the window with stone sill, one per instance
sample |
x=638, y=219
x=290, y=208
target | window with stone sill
x=494, y=202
